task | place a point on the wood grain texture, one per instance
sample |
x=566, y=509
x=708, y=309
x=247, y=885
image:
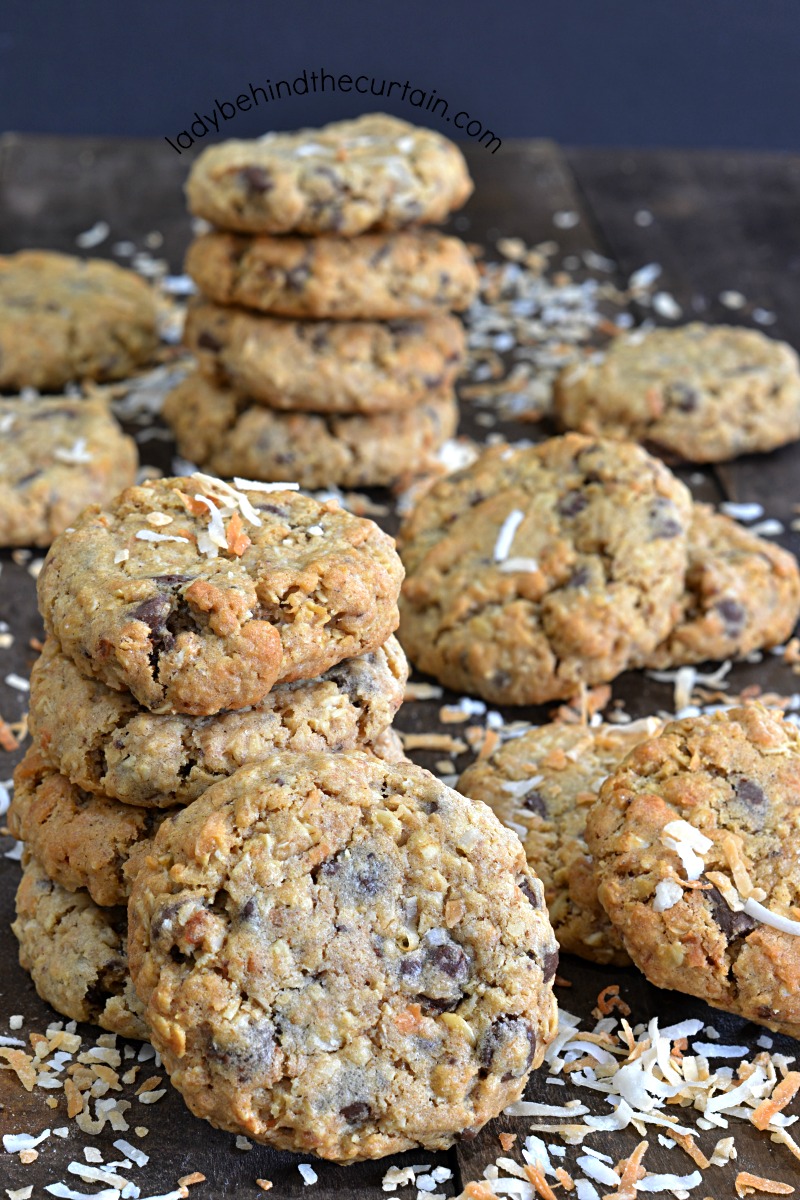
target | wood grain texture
x=50, y=190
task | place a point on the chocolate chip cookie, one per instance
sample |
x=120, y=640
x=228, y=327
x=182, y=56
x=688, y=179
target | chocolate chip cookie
x=375, y=172
x=197, y=596
x=696, y=842
x=534, y=571
x=64, y=318
x=742, y=594
x=76, y=954
x=83, y=841
x=342, y=957
x=227, y=434
x=541, y=786
x=706, y=393
x=376, y=277
x=57, y=456
x=106, y=743
x=326, y=366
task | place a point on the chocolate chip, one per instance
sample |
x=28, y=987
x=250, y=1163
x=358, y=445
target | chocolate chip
x=524, y=886
x=320, y=341
x=298, y=277
x=535, y=801
x=507, y=1047
x=153, y=612
x=172, y=580
x=750, y=793
x=26, y=479
x=571, y=504
x=355, y=1114
x=663, y=519
x=450, y=959
x=257, y=179
x=380, y=254
x=732, y=614
x=437, y=969
x=579, y=578
x=550, y=965
x=207, y=341
x=249, y=909
x=732, y=924
x=681, y=396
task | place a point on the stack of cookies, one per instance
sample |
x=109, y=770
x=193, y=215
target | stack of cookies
x=64, y=320
x=192, y=628
x=326, y=345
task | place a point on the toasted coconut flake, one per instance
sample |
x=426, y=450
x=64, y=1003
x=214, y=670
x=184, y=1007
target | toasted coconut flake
x=746, y=1184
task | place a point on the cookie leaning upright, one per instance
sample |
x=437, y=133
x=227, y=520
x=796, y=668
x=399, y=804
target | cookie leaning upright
x=65, y=319
x=375, y=172
x=696, y=843
x=534, y=571
x=197, y=596
x=340, y=956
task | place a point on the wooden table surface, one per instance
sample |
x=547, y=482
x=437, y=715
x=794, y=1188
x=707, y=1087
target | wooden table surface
x=721, y=221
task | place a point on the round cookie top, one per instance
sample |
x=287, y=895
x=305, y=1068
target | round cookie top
x=198, y=596
x=375, y=172
x=57, y=456
x=706, y=393
x=326, y=366
x=65, y=318
x=108, y=744
x=742, y=594
x=696, y=842
x=377, y=276
x=536, y=570
x=83, y=841
x=342, y=957
x=76, y=954
x=541, y=786
x=228, y=434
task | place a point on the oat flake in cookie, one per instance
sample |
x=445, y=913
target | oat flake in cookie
x=57, y=456
x=706, y=393
x=541, y=786
x=228, y=434
x=76, y=954
x=64, y=319
x=342, y=957
x=376, y=172
x=108, y=744
x=533, y=571
x=197, y=596
x=696, y=842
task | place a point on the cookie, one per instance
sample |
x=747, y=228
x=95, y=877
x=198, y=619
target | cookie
x=106, y=743
x=695, y=840
x=57, y=456
x=535, y=571
x=326, y=366
x=76, y=954
x=64, y=318
x=376, y=277
x=227, y=434
x=705, y=393
x=83, y=841
x=342, y=957
x=742, y=594
x=375, y=172
x=198, y=597
x=541, y=786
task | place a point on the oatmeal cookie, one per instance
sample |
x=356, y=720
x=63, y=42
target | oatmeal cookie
x=342, y=957
x=377, y=277
x=64, y=319
x=106, y=743
x=696, y=839
x=705, y=393
x=56, y=457
x=198, y=597
x=534, y=571
x=541, y=786
x=375, y=172
x=76, y=954
x=326, y=366
x=227, y=434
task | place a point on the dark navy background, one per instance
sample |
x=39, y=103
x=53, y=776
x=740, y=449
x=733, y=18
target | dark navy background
x=614, y=72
